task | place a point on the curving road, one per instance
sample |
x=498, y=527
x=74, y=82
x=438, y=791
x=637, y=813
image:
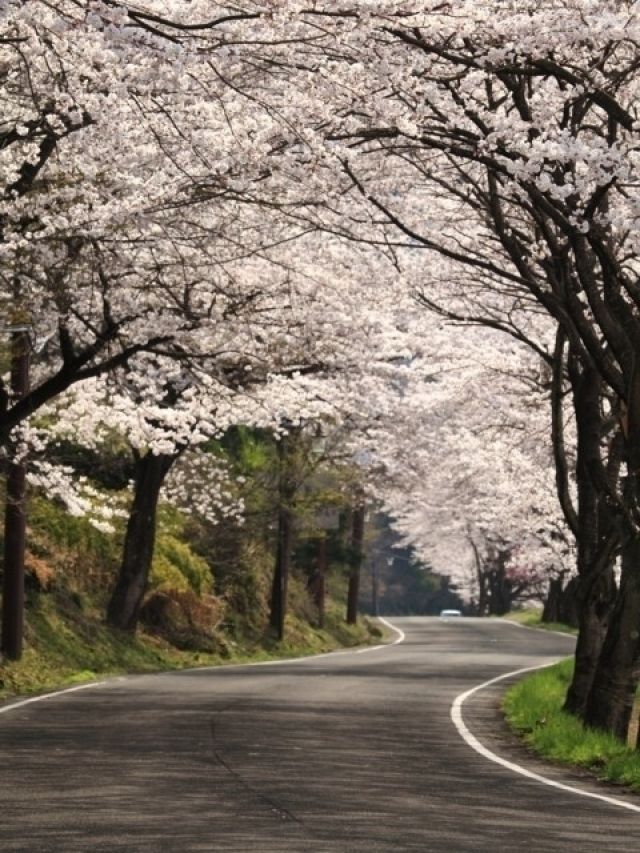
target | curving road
x=341, y=753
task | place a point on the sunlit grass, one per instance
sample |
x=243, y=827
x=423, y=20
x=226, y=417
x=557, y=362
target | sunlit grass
x=534, y=708
x=532, y=618
x=68, y=644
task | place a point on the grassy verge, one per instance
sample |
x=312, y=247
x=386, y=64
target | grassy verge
x=67, y=643
x=533, y=707
x=533, y=619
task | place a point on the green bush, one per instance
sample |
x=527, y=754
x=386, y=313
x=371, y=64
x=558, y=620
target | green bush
x=176, y=566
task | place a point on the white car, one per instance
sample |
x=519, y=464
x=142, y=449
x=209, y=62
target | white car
x=445, y=614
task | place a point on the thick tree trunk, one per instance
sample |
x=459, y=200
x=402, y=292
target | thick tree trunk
x=596, y=592
x=568, y=606
x=596, y=595
x=500, y=587
x=15, y=520
x=357, y=553
x=15, y=534
x=496, y=588
x=596, y=540
x=614, y=683
x=561, y=604
x=126, y=599
x=553, y=601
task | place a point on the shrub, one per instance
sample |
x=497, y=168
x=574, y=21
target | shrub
x=176, y=566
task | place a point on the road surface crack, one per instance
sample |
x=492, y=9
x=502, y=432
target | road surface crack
x=277, y=810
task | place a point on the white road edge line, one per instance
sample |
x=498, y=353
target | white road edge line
x=498, y=621
x=4, y=709
x=399, y=639
x=474, y=743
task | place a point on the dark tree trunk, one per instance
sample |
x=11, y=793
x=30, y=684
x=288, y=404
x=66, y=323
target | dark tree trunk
x=483, y=604
x=596, y=592
x=499, y=588
x=286, y=492
x=561, y=604
x=317, y=582
x=483, y=597
x=614, y=683
x=568, y=605
x=553, y=601
x=357, y=553
x=15, y=533
x=595, y=599
x=501, y=598
x=596, y=539
x=124, y=607
x=281, y=573
x=15, y=520
x=375, y=587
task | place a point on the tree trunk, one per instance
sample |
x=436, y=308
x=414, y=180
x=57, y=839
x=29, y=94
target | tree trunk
x=15, y=532
x=126, y=599
x=281, y=573
x=595, y=537
x=15, y=521
x=286, y=492
x=482, y=580
x=483, y=602
x=614, y=684
x=596, y=591
x=568, y=605
x=561, y=604
x=375, y=586
x=553, y=601
x=596, y=594
x=317, y=583
x=500, y=587
x=357, y=553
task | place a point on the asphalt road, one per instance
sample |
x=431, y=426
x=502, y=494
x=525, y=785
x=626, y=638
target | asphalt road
x=348, y=752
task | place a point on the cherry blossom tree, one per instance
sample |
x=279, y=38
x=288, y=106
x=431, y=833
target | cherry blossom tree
x=524, y=123
x=481, y=478
x=499, y=149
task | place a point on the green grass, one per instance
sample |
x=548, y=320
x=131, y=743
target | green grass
x=533, y=707
x=71, y=569
x=68, y=643
x=533, y=619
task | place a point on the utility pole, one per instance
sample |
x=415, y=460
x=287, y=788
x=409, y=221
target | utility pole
x=15, y=521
